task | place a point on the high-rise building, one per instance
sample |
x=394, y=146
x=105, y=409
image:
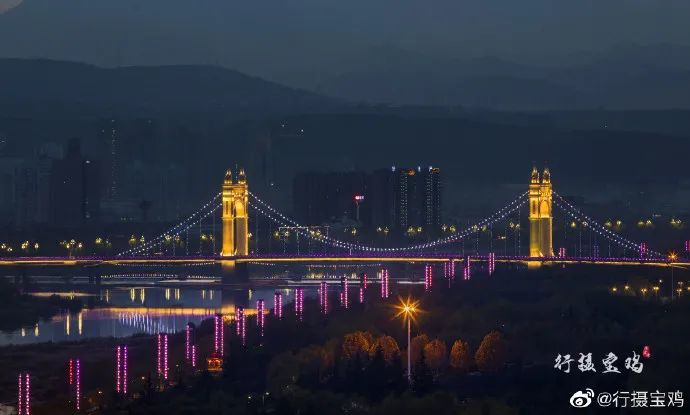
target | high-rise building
x=432, y=197
x=380, y=198
x=110, y=135
x=394, y=198
x=75, y=188
x=417, y=197
x=320, y=197
x=8, y=190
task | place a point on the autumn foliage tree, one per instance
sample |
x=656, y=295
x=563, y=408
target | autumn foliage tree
x=389, y=348
x=461, y=356
x=436, y=354
x=491, y=354
x=357, y=344
x=417, y=346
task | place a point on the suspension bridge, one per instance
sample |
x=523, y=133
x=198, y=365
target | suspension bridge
x=234, y=203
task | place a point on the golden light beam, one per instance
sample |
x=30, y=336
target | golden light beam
x=407, y=309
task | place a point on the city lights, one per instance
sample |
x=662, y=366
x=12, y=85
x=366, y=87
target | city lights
x=449, y=269
x=428, y=277
x=121, y=379
x=492, y=262
x=362, y=287
x=74, y=377
x=195, y=353
x=278, y=305
x=323, y=297
x=344, y=294
x=162, y=356
x=384, y=283
x=260, y=315
x=24, y=394
x=467, y=273
x=299, y=302
x=241, y=324
x=218, y=340
x=273, y=214
x=189, y=342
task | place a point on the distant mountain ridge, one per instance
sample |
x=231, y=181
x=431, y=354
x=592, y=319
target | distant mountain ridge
x=45, y=84
x=389, y=58
x=655, y=77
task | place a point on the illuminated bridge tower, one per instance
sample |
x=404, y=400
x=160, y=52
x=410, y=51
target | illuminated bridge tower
x=540, y=215
x=235, y=215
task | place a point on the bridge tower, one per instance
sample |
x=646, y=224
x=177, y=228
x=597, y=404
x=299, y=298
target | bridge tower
x=235, y=195
x=540, y=214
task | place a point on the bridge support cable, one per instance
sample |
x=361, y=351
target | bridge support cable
x=601, y=230
x=276, y=216
x=206, y=210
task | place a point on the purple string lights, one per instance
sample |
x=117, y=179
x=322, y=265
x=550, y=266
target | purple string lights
x=323, y=297
x=162, y=356
x=74, y=371
x=218, y=340
x=241, y=324
x=428, y=277
x=121, y=370
x=24, y=394
x=384, y=284
x=492, y=263
x=299, y=303
x=344, y=294
x=278, y=305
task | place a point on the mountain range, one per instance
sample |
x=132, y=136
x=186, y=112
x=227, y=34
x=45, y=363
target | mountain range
x=627, y=77
x=31, y=87
x=336, y=50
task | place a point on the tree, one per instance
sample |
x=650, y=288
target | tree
x=422, y=381
x=313, y=365
x=491, y=354
x=461, y=356
x=283, y=371
x=436, y=352
x=417, y=346
x=357, y=344
x=389, y=347
x=375, y=375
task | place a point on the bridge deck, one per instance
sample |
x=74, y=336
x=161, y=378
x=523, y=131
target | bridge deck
x=428, y=258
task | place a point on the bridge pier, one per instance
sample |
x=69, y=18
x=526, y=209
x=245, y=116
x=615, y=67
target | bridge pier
x=233, y=272
x=231, y=297
x=94, y=274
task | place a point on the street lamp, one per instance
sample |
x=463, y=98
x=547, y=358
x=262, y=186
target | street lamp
x=407, y=310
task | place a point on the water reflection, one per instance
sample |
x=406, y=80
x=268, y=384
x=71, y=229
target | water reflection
x=122, y=312
x=112, y=311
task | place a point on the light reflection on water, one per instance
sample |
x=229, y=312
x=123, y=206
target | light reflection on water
x=122, y=312
x=149, y=308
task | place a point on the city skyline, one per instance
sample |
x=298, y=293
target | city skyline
x=388, y=207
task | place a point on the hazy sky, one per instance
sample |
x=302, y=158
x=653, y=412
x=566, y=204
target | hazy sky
x=288, y=35
x=8, y=4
